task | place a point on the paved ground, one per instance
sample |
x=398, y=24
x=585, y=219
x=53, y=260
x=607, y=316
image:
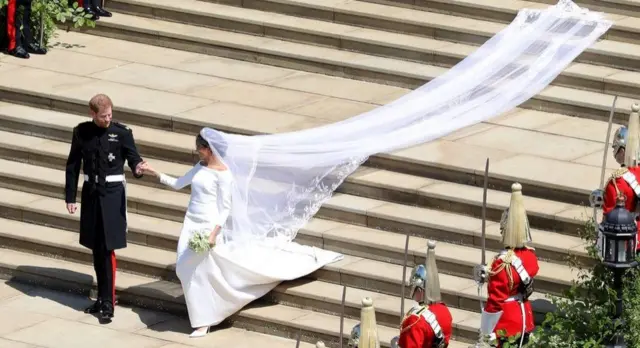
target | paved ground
x=34, y=317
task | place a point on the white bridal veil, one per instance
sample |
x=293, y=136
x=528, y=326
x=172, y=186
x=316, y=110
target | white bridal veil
x=282, y=179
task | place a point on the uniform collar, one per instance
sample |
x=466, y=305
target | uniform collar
x=99, y=129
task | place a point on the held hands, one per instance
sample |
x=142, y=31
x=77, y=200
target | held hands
x=145, y=168
x=140, y=168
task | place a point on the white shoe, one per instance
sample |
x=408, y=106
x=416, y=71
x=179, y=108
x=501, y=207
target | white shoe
x=199, y=333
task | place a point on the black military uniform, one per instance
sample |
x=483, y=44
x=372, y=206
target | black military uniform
x=103, y=214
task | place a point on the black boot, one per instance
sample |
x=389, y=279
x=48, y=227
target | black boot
x=94, y=14
x=19, y=52
x=95, y=307
x=106, y=311
x=101, y=12
x=36, y=49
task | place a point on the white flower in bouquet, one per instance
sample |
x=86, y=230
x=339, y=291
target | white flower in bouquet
x=199, y=241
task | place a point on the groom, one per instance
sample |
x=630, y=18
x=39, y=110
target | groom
x=100, y=147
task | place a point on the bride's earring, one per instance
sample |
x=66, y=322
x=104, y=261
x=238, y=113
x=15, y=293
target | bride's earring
x=199, y=333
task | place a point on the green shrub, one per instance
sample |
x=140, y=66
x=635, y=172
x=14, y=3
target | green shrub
x=583, y=318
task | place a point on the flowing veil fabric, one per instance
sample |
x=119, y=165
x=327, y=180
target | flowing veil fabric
x=281, y=180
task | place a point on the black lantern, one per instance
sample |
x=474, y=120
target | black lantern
x=618, y=232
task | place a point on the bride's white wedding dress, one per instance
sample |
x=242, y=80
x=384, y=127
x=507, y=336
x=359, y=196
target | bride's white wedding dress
x=218, y=283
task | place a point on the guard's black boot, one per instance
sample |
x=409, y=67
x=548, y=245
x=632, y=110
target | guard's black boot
x=106, y=311
x=94, y=14
x=36, y=49
x=19, y=52
x=101, y=12
x=95, y=307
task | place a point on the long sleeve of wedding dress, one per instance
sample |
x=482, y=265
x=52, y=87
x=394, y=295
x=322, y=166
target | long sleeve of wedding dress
x=180, y=182
x=224, y=199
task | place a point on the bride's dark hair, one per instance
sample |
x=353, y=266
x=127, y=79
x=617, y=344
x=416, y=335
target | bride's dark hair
x=221, y=147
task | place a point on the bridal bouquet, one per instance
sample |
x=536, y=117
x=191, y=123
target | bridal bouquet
x=199, y=241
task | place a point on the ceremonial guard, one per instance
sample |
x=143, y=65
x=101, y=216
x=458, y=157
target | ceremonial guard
x=100, y=147
x=623, y=181
x=429, y=322
x=508, y=312
x=19, y=35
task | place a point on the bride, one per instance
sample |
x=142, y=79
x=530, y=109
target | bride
x=219, y=282
x=209, y=207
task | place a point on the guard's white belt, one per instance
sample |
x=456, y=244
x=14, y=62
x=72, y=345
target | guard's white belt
x=108, y=178
x=632, y=181
x=433, y=322
x=515, y=298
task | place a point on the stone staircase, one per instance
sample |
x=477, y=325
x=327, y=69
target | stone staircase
x=174, y=67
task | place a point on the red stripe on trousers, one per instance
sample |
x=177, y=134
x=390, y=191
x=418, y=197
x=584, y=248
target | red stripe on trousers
x=113, y=276
x=11, y=24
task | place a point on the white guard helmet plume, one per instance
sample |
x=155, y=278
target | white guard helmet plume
x=632, y=139
x=514, y=224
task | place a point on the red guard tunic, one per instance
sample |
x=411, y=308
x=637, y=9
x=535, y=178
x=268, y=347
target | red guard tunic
x=625, y=182
x=422, y=323
x=503, y=291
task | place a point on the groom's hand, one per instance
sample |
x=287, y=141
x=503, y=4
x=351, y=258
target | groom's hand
x=140, y=167
x=71, y=208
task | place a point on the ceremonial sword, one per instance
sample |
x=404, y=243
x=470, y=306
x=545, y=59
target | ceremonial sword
x=604, y=156
x=404, y=278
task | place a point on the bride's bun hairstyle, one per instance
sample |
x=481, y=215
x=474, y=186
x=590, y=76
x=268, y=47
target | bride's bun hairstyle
x=201, y=143
x=213, y=138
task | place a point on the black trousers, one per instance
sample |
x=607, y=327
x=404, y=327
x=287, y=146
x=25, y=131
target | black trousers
x=89, y=3
x=104, y=262
x=15, y=21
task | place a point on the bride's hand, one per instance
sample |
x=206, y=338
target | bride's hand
x=147, y=168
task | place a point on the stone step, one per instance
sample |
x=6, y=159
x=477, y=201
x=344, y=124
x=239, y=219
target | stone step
x=149, y=292
x=432, y=51
x=41, y=152
x=627, y=10
x=367, y=212
x=326, y=297
x=315, y=295
x=58, y=126
x=327, y=60
x=334, y=235
x=367, y=182
x=420, y=222
x=623, y=12
x=517, y=142
x=355, y=272
x=433, y=21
